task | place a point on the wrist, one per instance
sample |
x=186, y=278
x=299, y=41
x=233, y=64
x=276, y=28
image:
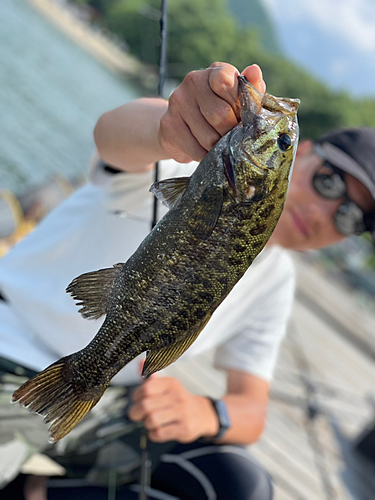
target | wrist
x=210, y=419
x=218, y=421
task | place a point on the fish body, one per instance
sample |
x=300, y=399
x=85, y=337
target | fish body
x=162, y=297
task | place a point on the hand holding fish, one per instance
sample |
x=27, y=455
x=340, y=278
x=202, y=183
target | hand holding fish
x=203, y=109
x=171, y=413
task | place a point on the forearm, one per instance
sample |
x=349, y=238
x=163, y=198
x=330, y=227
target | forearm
x=200, y=111
x=247, y=419
x=127, y=137
x=246, y=401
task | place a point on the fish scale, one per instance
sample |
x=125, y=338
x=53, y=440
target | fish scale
x=162, y=297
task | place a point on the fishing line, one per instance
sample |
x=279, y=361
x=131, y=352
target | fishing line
x=146, y=460
x=162, y=71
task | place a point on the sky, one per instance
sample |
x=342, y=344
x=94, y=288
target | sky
x=335, y=39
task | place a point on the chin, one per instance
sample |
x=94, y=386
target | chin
x=292, y=244
x=287, y=237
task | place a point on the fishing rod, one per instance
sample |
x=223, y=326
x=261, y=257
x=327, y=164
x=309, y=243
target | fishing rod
x=162, y=72
x=146, y=464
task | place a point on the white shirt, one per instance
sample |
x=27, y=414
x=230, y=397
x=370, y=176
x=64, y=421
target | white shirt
x=40, y=322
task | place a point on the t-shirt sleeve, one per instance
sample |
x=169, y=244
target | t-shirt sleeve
x=127, y=193
x=255, y=347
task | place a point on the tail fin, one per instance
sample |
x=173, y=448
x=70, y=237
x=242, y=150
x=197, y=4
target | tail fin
x=51, y=395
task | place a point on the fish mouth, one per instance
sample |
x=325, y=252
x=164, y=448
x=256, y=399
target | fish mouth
x=251, y=195
x=229, y=171
x=250, y=100
x=254, y=102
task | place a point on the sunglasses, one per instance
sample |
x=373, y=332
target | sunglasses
x=329, y=183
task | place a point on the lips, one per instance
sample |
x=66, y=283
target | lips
x=301, y=225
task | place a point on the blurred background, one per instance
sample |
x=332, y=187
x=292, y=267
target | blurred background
x=63, y=63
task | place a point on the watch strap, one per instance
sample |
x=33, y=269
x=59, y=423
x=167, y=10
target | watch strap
x=223, y=416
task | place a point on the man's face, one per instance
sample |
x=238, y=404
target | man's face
x=307, y=221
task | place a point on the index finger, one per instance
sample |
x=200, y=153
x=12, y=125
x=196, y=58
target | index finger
x=150, y=388
x=223, y=80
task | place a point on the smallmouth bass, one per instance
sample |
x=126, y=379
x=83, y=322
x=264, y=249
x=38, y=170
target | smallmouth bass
x=159, y=301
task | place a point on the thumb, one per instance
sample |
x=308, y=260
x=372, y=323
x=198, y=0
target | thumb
x=254, y=74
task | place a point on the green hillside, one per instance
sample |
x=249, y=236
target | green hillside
x=203, y=31
x=252, y=14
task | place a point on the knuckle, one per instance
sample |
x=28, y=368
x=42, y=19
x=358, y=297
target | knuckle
x=151, y=421
x=148, y=388
x=184, y=439
x=170, y=383
x=132, y=413
x=178, y=398
x=210, y=140
x=156, y=435
x=223, y=118
x=185, y=433
x=193, y=77
x=222, y=81
x=145, y=391
x=174, y=382
x=142, y=407
x=224, y=112
x=175, y=97
x=221, y=65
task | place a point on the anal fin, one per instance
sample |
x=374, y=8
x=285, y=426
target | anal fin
x=161, y=358
x=91, y=291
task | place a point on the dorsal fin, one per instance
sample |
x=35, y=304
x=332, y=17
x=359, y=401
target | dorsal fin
x=170, y=191
x=92, y=291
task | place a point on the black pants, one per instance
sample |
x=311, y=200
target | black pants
x=196, y=471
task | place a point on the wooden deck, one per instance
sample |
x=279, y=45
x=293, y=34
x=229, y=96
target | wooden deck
x=322, y=396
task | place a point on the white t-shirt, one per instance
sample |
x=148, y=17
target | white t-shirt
x=40, y=322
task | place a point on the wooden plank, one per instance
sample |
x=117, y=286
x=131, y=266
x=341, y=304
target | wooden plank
x=336, y=302
x=306, y=458
x=285, y=474
x=329, y=354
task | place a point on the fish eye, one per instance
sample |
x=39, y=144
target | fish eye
x=284, y=142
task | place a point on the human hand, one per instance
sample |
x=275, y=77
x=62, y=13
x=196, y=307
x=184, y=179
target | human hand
x=171, y=413
x=202, y=109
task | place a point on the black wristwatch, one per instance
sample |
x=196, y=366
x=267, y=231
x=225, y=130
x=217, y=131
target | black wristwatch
x=222, y=414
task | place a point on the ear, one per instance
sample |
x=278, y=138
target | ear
x=304, y=148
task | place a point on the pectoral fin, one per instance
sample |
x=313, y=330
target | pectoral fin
x=158, y=359
x=206, y=213
x=92, y=290
x=170, y=191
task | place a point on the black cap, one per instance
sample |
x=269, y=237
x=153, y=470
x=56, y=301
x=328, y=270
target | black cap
x=353, y=151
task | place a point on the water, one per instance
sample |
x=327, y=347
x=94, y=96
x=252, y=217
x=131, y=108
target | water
x=51, y=94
